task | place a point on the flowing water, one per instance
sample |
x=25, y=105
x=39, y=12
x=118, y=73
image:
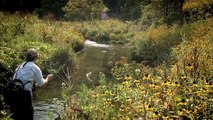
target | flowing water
x=93, y=59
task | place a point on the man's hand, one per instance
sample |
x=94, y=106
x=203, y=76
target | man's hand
x=49, y=77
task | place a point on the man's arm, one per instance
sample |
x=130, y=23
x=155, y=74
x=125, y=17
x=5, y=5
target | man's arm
x=39, y=77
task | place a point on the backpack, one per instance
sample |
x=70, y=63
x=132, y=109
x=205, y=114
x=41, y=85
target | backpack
x=16, y=85
x=14, y=92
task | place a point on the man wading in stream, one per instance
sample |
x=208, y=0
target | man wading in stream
x=28, y=72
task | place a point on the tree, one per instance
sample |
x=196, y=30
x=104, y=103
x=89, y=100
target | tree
x=19, y=5
x=126, y=9
x=197, y=9
x=163, y=11
x=52, y=7
x=84, y=9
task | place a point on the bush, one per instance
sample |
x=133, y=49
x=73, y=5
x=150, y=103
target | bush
x=195, y=52
x=61, y=60
x=153, y=46
x=59, y=33
x=19, y=33
x=108, y=31
x=84, y=10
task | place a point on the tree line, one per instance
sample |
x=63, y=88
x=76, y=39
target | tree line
x=168, y=11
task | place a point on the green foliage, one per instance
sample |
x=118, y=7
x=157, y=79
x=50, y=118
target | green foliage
x=196, y=49
x=126, y=9
x=109, y=31
x=150, y=16
x=59, y=33
x=6, y=118
x=102, y=80
x=51, y=7
x=51, y=39
x=197, y=10
x=153, y=46
x=60, y=60
x=84, y=9
x=83, y=94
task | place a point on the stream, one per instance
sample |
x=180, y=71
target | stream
x=92, y=60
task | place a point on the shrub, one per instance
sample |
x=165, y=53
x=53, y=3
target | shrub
x=19, y=33
x=59, y=33
x=108, y=31
x=60, y=60
x=196, y=49
x=154, y=45
x=84, y=10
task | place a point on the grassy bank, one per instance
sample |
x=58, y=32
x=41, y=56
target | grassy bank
x=172, y=79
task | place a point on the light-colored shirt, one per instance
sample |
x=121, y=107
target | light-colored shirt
x=30, y=72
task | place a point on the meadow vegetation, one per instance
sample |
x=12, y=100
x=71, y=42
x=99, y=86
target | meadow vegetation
x=50, y=38
x=112, y=31
x=178, y=85
x=169, y=76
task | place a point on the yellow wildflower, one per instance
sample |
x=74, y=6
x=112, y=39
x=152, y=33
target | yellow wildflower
x=127, y=77
x=157, y=114
x=94, y=95
x=151, y=85
x=177, y=84
x=137, y=81
x=108, y=102
x=195, y=85
x=139, y=109
x=147, y=77
x=183, y=77
x=172, y=84
x=122, y=109
x=165, y=117
x=149, y=108
x=105, y=114
x=126, y=84
x=129, y=101
x=204, y=82
x=189, y=67
x=111, y=93
x=182, y=103
x=180, y=112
